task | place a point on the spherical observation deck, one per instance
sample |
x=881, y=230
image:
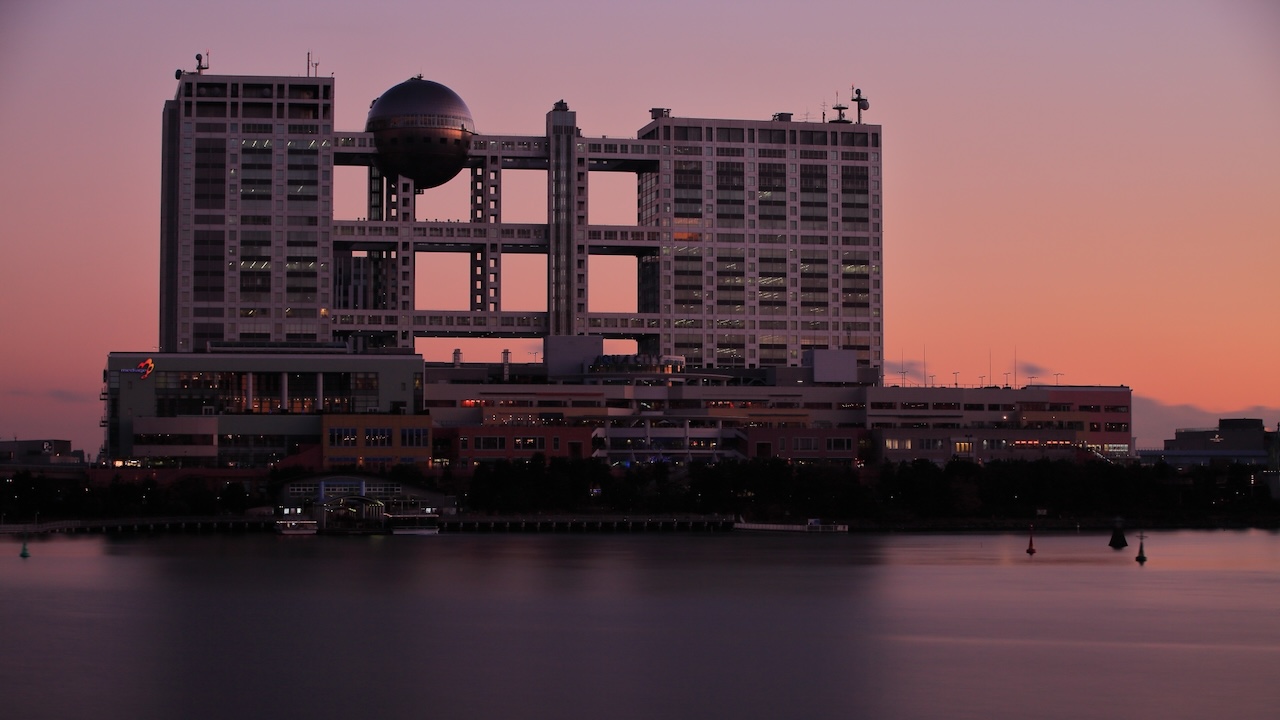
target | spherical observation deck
x=422, y=130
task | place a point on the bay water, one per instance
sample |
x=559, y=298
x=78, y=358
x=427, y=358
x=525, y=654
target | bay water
x=641, y=626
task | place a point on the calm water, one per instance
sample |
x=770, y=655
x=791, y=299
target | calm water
x=606, y=626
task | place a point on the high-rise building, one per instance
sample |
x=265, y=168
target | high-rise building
x=757, y=240
x=758, y=317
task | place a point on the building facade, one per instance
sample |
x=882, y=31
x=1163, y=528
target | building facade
x=757, y=239
x=758, y=322
x=1244, y=441
x=250, y=409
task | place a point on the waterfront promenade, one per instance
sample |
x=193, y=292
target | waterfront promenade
x=142, y=524
x=452, y=523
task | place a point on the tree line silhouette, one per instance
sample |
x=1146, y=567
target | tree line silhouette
x=919, y=493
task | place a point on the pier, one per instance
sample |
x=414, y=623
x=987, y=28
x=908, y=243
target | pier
x=205, y=523
x=587, y=523
x=451, y=524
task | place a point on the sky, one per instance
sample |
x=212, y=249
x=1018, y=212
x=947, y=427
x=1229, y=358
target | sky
x=1092, y=188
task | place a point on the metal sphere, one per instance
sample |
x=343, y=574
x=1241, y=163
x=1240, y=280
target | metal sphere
x=422, y=130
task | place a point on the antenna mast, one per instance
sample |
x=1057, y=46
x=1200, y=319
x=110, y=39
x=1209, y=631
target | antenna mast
x=840, y=107
x=860, y=102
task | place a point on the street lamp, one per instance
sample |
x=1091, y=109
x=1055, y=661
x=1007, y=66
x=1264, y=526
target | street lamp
x=956, y=375
x=1056, y=376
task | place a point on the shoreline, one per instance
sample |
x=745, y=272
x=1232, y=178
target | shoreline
x=638, y=524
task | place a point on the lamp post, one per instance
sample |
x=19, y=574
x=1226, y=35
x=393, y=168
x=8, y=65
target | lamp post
x=956, y=375
x=1056, y=376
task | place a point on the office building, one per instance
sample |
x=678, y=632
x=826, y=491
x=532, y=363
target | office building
x=758, y=320
x=757, y=239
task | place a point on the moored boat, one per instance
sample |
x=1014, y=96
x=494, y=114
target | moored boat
x=296, y=526
x=814, y=525
x=413, y=523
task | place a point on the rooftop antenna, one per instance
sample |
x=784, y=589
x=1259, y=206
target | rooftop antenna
x=840, y=107
x=201, y=64
x=860, y=102
x=313, y=68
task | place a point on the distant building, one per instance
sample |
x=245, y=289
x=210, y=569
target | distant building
x=37, y=453
x=1245, y=441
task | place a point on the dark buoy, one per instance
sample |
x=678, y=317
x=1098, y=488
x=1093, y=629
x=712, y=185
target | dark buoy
x=1031, y=542
x=1142, y=550
x=25, y=552
x=1117, y=536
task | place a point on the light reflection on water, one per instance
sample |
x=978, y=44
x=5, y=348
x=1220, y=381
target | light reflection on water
x=876, y=626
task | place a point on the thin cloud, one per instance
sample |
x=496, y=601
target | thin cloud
x=893, y=371
x=62, y=395
x=1028, y=369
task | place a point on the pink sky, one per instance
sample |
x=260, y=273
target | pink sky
x=1094, y=185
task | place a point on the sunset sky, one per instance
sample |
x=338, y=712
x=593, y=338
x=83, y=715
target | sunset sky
x=1092, y=185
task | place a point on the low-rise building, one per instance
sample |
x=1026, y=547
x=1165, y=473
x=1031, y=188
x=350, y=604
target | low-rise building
x=1244, y=441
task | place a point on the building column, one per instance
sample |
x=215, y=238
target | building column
x=564, y=191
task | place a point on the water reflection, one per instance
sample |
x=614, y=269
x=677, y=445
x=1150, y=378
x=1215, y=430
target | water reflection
x=885, y=626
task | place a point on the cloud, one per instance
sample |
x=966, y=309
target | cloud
x=893, y=372
x=1028, y=369
x=62, y=395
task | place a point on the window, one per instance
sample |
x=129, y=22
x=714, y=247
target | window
x=491, y=443
x=415, y=437
x=531, y=443
x=342, y=437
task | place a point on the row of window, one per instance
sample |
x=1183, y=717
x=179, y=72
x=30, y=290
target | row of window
x=998, y=407
x=378, y=437
x=530, y=443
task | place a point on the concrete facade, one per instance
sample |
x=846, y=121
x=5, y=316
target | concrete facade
x=758, y=322
x=758, y=240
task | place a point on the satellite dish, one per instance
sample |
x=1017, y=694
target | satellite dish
x=199, y=57
x=863, y=104
x=177, y=74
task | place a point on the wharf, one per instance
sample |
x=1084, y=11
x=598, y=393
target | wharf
x=586, y=523
x=186, y=523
